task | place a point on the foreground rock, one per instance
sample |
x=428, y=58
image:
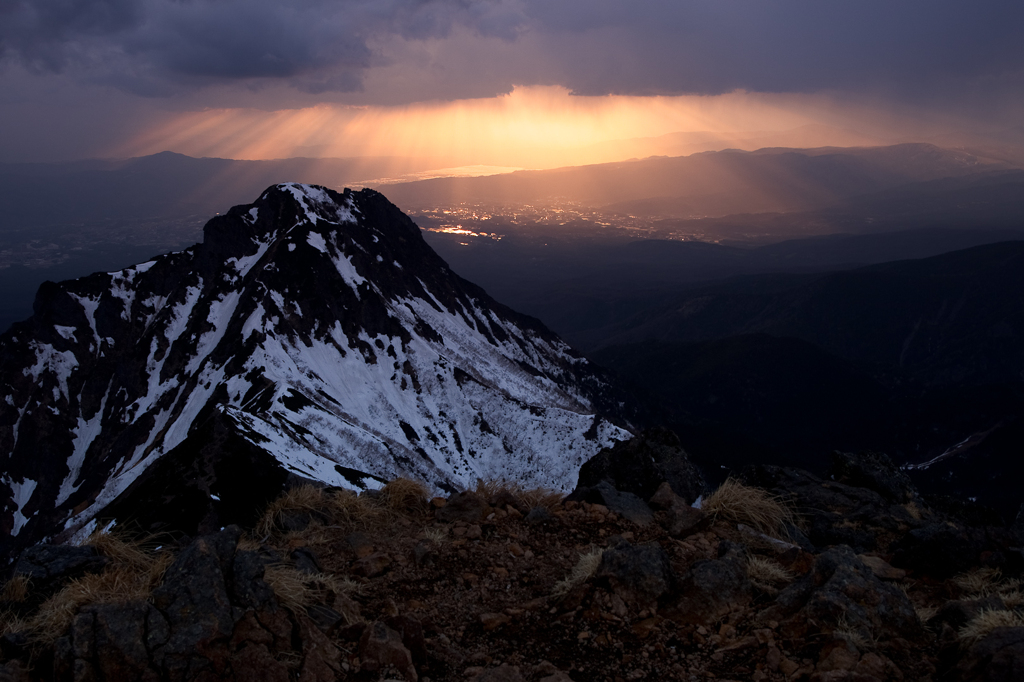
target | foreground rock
x=212, y=617
x=481, y=592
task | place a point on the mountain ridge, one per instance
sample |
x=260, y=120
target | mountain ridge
x=313, y=322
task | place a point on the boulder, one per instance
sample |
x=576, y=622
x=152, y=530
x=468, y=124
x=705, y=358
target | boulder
x=638, y=574
x=640, y=465
x=411, y=631
x=248, y=589
x=117, y=635
x=713, y=588
x=938, y=550
x=881, y=568
x=840, y=591
x=196, y=617
x=48, y=566
x=213, y=617
x=625, y=504
x=999, y=657
x=874, y=471
x=538, y=516
x=674, y=514
x=371, y=566
x=466, y=506
x=664, y=498
x=321, y=660
x=380, y=647
x=306, y=560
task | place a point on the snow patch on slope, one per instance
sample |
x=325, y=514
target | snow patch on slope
x=318, y=205
x=84, y=434
x=60, y=364
x=22, y=495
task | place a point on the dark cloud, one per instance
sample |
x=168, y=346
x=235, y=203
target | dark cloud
x=144, y=45
x=714, y=46
x=913, y=48
x=48, y=34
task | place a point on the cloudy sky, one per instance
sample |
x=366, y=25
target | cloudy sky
x=263, y=78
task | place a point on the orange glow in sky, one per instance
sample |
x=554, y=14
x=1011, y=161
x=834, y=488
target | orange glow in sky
x=535, y=127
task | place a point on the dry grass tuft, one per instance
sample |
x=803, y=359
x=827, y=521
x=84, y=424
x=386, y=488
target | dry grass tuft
x=132, y=575
x=492, y=487
x=303, y=498
x=926, y=613
x=10, y=623
x=738, y=503
x=767, y=575
x=341, y=508
x=541, y=497
x=903, y=587
x=435, y=534
x=296, y=590
x=852, y=635
x=350, y=510
x=404, y=496
x=289, y=585
x=584, y=569
x=913, y=510
x=979, y=582
x=987, y=621
x=123, y=550
x=248, y=544
x=1012, y=598
x=16, y=589
x=528, y=498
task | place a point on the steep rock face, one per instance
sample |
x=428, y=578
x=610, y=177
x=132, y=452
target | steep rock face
x=323, y=330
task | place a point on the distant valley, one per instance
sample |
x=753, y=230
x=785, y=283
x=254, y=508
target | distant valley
x=918, y=359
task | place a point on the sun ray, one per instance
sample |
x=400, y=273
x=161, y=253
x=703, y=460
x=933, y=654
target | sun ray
x=531, y=127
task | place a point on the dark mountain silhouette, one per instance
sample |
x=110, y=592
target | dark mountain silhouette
x=951, y=319
x=920, y=359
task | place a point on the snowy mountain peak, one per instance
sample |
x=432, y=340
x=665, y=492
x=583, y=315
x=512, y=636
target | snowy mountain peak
x=313, y=329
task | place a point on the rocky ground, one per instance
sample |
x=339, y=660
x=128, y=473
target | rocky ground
x=856, y=577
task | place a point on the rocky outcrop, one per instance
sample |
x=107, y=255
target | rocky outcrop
x=841, y=592
x=512, y=585
x=640, y=465
x=212, y=617
x=883, y=514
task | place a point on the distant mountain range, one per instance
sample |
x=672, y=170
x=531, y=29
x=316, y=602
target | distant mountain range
x=710, y=184
x=59, y=221
x=313, y=334
x=921, y=359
